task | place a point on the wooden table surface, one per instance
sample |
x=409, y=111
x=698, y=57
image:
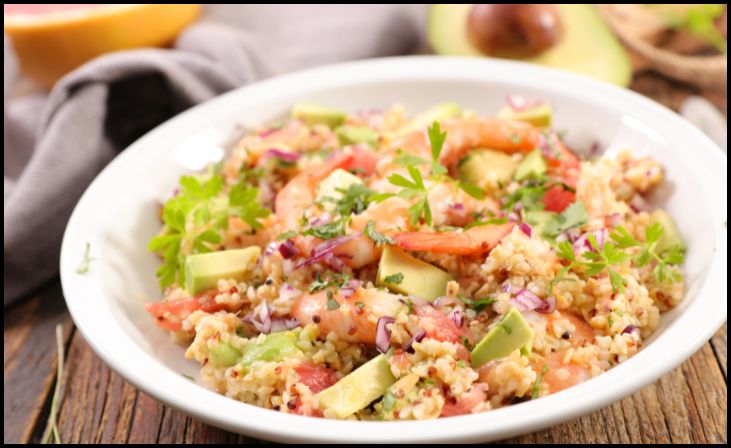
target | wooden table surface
x=688, y=405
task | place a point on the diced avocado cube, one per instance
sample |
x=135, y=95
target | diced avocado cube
x=275, y=347
x=537, y=116
x=312, y=114
x=532, y=166
x=670, y=235
x=510, y=334
x=327, y=191
x=352, y=135
x=486, y=168
x=425, y=119
x=540, y=220
x=358, y=389
x=202, y=271
x=416, y=277
x=223, y=355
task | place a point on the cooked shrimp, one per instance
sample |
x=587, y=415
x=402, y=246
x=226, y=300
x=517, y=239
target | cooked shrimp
x=350, y=321
x=561, y=373
x=464, y=135
x=476, y=240
x=171, y=314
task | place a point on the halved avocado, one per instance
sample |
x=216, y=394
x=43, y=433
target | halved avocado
x=588, y=46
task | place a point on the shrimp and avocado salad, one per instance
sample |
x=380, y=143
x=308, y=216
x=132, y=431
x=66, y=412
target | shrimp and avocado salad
x=380, y=266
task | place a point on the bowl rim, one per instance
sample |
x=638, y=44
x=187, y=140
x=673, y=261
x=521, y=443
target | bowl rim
x=677, y=342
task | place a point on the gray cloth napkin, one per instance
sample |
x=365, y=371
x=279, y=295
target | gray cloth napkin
x=55, y=143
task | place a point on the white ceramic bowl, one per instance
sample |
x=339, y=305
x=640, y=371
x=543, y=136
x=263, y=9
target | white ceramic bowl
x=117, y=215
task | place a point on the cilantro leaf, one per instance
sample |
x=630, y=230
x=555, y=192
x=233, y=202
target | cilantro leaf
x=575, y=215
x=395, y=279
x=436, y=139
x=376, y=236
x=330, y=230
x=405, y=159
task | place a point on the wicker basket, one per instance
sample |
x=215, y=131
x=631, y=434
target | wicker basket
x=704, y=71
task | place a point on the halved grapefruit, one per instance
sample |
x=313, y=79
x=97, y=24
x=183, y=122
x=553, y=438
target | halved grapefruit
x=51, y=40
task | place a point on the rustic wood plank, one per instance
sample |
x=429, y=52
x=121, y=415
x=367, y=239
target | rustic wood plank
x=146, y=420
x=718, y=342
x=29, y=346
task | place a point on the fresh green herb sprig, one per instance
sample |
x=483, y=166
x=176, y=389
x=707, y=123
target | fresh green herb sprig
x=330, y=230
x=194, y=219
x=394, y=279
x=601, y=259
x=537, y=385
x=336, y=280
x=376, y=236
x=353, y=199
x=649, y=252
x=84, y=266
x=413, y=187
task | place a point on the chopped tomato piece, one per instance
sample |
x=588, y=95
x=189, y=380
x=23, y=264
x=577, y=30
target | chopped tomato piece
x=557, y=198
x=316, y=377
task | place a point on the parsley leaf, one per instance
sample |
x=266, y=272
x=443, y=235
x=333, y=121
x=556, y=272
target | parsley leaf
x=377, y=237
x=662, y=271
x=194, y=219
x=575, y=215
x=405, y=159
x=395, y=279
x=336, y=280
x=84, y=266
x=327, y=231
x=355, y=199
x=332, y=304
x=537, y=385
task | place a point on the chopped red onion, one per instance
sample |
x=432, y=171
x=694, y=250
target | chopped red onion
x=268, y=132
x=582, y=244
x=383, y=334
x=518, y=207
x=418, y=337
x=419, y=301
x=325, y=248
x=262, y=321
x=547, y=307
x=506, y=287
x=562, y=237
x=520, y=103
x=321, y=220
x=457, y=206
x=513, y=217
x=638, y=204
x=629, y=329
x=282, y=155
x=526, y=229
x=349, y=289
x=288, y=249
x=271, y=247
x=525, y=300
x=457, y=317
x=283, y=324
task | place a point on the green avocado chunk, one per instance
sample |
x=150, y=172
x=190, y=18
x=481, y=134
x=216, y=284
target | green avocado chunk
x=510, y=334
x=313, y=114
x=537, y=116
x=404, y=274
x=670, y=235
x=486, y=167
x=275, y=347
x=532, y=166
x=358, y=389
x=588, y=46
x=352, y=135
x=425, y=119
x=223, y=355
x=202, y=271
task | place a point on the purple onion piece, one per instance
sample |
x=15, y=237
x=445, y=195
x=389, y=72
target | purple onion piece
x=325, y=248
x=547, y=307
x=638, y=204
x=268, y=132
x=506, y=287
x=288, y=292
x=282, y=155
x=631, y=329
x=284, y=324
x=513, y=217
x=287, y=249
x=418, y=337
x=383, y=334
x=457, y=206
x=526, y=229
x=525, y=300
x=271, y=247
x=457, y=317
x=349, y=289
